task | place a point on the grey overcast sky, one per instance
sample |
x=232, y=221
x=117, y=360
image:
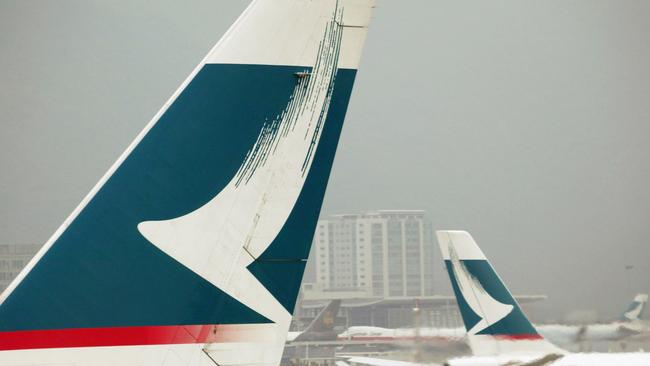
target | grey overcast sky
x=524, y=122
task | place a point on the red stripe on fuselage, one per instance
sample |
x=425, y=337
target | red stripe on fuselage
x=509, y=337
x=399, y=338
x=98, y=337
x=517, y=337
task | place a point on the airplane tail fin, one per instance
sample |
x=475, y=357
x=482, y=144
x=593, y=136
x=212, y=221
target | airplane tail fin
x=493, y=319
x=322, y=327
x=325, y=320
x=199, y=233
x=636, y=308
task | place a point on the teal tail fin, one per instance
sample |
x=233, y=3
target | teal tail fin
x=494, y=320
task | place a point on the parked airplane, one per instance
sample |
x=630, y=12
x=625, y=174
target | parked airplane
x=498, y=331
x=367, y=333
x=628, y=325
x=191, y=249
x=321, y=328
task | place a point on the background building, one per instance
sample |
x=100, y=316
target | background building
x=383, y=264
x=13, y=257
x=384, y=253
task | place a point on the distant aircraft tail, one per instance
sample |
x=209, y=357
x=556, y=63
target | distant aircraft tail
x=636, y=308
x=322, y=327
x=191, y=248
x=325, y=320
x=494, y=321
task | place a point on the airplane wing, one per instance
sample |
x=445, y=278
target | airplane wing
x=542, y=361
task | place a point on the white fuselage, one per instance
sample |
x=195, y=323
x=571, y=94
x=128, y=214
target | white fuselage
x=364, y=333
x=558, y=334
x=568, y=334
x=571, y=359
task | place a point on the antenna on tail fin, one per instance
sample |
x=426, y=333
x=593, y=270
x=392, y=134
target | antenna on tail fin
x=493, y=319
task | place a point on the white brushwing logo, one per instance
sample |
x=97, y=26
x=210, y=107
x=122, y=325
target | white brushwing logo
x=220, y=239
x=477, y=298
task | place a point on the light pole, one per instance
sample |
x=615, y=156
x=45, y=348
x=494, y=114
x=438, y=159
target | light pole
x=628, y=275
x=416, y=317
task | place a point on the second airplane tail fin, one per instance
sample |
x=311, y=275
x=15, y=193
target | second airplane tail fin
x=636, y=308
x=322, y=327
x=494, y=321
x=324, y=322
